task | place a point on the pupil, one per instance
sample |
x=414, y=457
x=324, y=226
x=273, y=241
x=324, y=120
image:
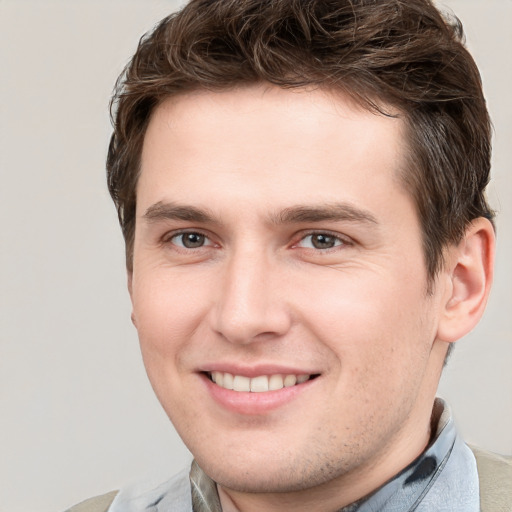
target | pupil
x=193, y=240
x=323, y=241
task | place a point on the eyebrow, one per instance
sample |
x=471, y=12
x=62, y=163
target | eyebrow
x=172, y=211
x=326, y=212
x=294, y=214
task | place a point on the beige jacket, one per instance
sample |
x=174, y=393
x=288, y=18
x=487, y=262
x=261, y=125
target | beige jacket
x=494, y=472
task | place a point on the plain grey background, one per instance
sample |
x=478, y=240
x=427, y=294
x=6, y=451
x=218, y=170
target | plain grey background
x=77, y=414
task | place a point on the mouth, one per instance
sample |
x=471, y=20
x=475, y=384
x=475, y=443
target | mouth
x=259, y=384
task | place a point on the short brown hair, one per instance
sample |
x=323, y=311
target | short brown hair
x=384, y=53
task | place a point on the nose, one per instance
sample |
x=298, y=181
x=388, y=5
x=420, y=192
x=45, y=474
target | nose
x=251, y=304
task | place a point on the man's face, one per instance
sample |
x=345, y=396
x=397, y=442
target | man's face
x=274, y=243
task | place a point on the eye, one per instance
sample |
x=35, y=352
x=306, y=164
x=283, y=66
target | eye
x=320, y=241
x=190, y=240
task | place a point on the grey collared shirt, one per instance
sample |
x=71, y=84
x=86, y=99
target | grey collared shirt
x=443, y=479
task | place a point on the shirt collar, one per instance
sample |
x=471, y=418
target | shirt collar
x=402, y=493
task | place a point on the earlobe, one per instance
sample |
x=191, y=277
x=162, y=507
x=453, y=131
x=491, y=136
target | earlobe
x=129, y=279
x=470, y=267
x=130, y=291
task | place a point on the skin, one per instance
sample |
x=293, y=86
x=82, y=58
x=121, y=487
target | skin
x=258, y=171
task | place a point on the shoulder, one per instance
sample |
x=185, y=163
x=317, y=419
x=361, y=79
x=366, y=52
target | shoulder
x=97, y=504
x=492, y=464
x=174, y=495
x=495, y=476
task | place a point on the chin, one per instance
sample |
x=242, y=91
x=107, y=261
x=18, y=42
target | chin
x=272, y=476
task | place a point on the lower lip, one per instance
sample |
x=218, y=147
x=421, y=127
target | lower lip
x=254, y=403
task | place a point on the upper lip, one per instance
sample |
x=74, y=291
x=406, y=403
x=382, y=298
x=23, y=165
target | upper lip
x=256, y=370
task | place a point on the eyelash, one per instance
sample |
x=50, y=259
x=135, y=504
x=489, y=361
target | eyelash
x=172, y=236
x=339, y=241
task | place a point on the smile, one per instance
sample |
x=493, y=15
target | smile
x=260, y=384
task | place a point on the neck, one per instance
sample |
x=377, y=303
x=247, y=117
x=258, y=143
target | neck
x=348, y=488
x=396, y=454
x=336, y=493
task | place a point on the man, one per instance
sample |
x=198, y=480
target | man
x=300, y=186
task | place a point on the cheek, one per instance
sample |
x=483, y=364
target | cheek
x=166, y=317
x=167, y=311
x=379, y=325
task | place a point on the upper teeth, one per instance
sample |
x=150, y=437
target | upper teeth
x=258, y=384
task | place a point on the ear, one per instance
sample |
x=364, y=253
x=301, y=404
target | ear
x=469, y=273
x=129, y=280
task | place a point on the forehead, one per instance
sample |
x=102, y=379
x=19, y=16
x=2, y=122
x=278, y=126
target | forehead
x=256, y=142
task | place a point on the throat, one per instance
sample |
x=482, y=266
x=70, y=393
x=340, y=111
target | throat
x=227, y=504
